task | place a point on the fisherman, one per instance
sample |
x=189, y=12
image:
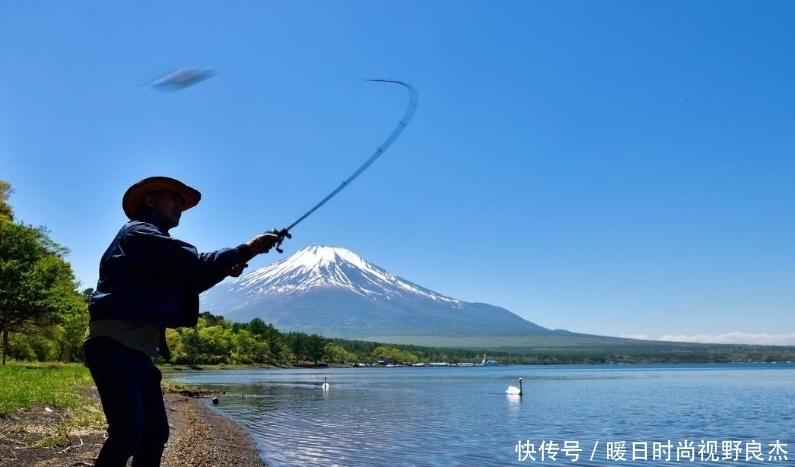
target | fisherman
x=148, y=281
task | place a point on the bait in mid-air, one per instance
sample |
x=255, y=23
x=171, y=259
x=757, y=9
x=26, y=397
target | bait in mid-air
x=182, y=78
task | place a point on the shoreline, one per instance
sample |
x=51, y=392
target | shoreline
x=200, y=437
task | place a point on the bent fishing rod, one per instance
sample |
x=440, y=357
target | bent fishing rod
x=412, y=107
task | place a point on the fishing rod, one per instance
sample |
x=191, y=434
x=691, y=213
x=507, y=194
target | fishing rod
x=412, y=107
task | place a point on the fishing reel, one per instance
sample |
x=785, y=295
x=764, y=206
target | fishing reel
x=282, y=234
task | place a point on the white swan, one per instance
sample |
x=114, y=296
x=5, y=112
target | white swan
x=325, y=383
x=513, y=390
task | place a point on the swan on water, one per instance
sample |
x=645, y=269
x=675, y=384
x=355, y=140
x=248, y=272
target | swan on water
x=325, y=383
x=513, y=390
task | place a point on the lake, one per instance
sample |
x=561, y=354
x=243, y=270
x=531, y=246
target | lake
x=631, y=415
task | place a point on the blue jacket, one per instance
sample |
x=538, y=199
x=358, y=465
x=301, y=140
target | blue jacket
x=148, y=277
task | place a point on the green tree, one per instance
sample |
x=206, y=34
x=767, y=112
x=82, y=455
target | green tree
x=5, y=193
x=259, y=327
x=261, y=352
x=186, y=345
x=36, y=284
x=73, y=323
x=395, y=354
x=297, y=342
x=315, y=347
x=212, y=320
x=276, y=350
x=337, y=354
x=216, y=344
x=20, y=348
x=244, y=347
x=280, y=352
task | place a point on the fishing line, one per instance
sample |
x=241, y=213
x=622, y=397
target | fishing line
x=407, y=116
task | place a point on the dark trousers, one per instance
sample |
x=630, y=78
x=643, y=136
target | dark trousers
x=129, y=387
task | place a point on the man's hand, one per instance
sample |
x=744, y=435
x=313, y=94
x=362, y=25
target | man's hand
x=262, y=243
x=236, y=270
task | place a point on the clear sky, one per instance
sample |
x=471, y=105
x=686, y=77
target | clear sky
x=622, y=168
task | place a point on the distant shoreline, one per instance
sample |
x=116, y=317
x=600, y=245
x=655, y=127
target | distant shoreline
x=168, y=369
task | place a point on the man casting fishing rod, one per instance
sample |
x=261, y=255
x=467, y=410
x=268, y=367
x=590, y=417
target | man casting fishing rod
x=148, y=281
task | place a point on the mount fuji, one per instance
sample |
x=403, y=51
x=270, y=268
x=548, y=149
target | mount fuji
x=335, y=293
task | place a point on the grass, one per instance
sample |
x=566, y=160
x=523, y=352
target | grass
x=61, y=387
x=26, y=385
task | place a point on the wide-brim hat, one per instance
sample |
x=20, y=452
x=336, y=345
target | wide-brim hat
x=133, y=196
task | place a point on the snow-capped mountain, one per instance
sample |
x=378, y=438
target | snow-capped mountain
x=335, y=293
x=320, y=266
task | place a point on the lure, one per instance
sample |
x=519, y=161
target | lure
x=182, y=78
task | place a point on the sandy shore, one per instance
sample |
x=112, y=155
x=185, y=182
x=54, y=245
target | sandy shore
x=200, y=437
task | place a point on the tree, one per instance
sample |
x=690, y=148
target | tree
x=36, y=283
x=186, y=345
x=274, y=349
x=244, y=347
x=216, y=344
x=337, y=354
x=5, y=193
x=73, y=323
x=297, y=343
x=395, y=354
x=315, y=346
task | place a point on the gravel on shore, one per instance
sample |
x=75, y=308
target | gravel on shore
x=200, y=437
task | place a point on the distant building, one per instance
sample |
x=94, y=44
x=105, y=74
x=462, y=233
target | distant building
x=384, y=361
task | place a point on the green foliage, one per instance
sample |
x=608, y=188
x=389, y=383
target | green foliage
x=5, y=193
x=216, y=340
x=315, y=347
x=394, y=354
x=20, y=348
x=335, y=353
x=73, y=321
x=37, y=286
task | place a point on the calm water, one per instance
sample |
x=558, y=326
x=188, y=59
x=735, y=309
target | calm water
x=453, y=416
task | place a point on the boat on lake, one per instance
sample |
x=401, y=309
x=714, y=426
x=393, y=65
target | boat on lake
x=489, y=362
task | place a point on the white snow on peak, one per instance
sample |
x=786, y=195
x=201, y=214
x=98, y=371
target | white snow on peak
x=323, y=266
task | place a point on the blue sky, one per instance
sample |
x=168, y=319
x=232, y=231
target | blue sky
x=616, y=168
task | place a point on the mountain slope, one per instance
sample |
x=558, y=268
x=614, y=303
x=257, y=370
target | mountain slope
x=334, y=292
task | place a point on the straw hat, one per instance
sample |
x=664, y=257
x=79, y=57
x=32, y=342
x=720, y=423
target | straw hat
x=134, y=194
